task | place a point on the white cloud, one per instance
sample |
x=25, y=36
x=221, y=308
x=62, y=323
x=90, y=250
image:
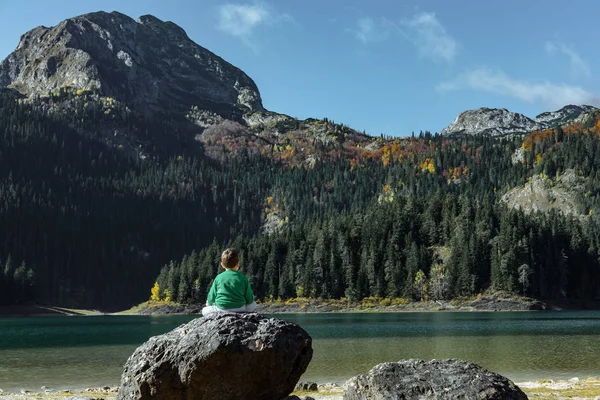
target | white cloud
x=423, y=30
x=370, y=30
x=430, y=37
x=495, y=81
x=579, y=67
x=365, y=30
x=241, y=20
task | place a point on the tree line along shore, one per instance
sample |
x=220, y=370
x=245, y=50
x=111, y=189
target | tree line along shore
x=498, y=301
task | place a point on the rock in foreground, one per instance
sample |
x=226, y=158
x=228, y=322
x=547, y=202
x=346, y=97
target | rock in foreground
x=229, y=356
x=435, y=379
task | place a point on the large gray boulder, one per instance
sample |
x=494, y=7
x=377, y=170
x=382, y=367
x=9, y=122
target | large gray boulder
x=228, y=356
x=435, y=379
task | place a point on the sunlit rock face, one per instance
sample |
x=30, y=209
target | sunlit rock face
x=149, y=64
x=490, y=121
x=565, y=115
x=500, y=121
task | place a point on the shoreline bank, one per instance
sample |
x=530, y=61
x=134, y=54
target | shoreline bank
x=497, y=302
x=35, y=310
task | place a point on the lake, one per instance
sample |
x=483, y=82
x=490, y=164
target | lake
x=81, y=352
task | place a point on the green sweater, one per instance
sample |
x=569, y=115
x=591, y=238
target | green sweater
x=230, y=289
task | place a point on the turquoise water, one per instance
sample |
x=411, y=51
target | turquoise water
x=81, y=352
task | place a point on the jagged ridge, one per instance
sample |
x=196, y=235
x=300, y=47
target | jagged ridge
x=495, y=121
x=149, y=64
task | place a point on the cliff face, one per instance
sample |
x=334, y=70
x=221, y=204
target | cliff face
x=149, y=64
x=541, y=193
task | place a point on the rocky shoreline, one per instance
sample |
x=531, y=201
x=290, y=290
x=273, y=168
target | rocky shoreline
x=492, y=302
x=35, y=310
x=588, y=388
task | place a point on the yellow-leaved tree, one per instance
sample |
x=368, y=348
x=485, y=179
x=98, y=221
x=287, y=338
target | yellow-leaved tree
x=155, y=292
x=420, y=285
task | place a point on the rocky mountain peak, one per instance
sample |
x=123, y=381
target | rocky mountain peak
x=569, y=113
x=490, y=121
x=149, y=64
x=160, y=27
x=500, y=121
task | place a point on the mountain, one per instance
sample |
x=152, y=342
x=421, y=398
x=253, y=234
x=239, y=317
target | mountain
x=150, y=65
x=498, y=122
x=489, y=121
x=567, y=114
x=130, y=156
x=122, y=70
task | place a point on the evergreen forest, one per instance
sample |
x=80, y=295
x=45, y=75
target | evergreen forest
x=99, y=204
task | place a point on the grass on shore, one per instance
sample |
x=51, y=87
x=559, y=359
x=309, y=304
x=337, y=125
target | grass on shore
x=161, y=307
x=394, y=304
x=490, y=300
x=572, y=389
x=303, y=303
x=482, y=302
x=136, y=309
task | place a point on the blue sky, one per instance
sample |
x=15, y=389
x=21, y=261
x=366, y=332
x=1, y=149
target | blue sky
x=389, y=67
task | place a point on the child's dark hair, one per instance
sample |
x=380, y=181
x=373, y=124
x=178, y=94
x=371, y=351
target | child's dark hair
x=229, y=258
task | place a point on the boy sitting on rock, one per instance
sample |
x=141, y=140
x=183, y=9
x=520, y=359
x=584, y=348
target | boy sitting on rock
x=230, y=291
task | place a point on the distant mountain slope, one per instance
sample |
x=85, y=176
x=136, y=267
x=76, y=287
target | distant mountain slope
x=149, y=64
x=567, y=114
x=497, y=122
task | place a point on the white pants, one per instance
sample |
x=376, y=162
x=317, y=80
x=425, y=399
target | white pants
x=209, y=310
